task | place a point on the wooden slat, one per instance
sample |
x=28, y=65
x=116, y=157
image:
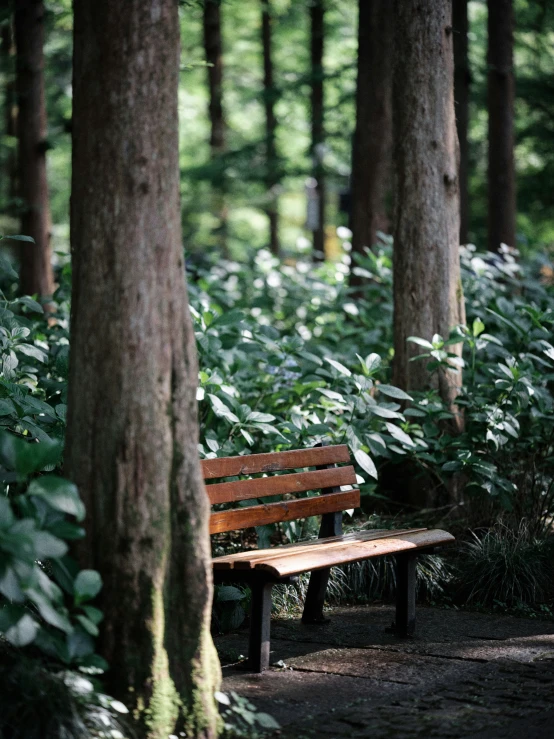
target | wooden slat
x=315, y=559
x=298, y=482
x=248, y=560
x=225, y=561
x=260, y=515
x=273, y=462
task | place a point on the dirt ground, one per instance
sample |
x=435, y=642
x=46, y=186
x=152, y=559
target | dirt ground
x=464, y=675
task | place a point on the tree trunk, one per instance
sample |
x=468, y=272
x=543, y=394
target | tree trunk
x=36, y=270
x=501, y=185
x=462, y=83
x=317, y=21
x=427, y=289
x=10, y=107
x=132, y=416
x=271, y=161
x=372, y=149
x=213, y=48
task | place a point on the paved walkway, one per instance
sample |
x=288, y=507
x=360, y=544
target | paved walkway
x=464, y=675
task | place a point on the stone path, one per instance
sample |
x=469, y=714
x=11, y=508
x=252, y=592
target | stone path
x=464, y=675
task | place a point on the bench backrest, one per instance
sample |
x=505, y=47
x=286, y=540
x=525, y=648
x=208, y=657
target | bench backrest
x=327, y=477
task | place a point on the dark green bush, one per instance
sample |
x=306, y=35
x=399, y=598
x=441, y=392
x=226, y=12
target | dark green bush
x=506, y=565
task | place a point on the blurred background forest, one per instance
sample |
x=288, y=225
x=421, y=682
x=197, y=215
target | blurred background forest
x=239, y=166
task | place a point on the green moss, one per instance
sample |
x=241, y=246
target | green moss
x=163, y=709
x=201, y=717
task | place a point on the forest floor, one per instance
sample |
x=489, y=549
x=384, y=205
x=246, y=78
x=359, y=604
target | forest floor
x=484, y=676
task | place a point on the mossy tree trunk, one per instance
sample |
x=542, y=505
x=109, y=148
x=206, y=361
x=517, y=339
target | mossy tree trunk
x=36, y=270
x=372, y=149
x=428, y=296
x=132, y=417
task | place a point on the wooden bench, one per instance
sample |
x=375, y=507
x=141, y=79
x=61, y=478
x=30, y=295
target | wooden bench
x=263, y=568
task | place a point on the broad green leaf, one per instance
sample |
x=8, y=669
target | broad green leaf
x=331, y=394
x=19, y=237
x=229, y=592
x=48, y=612
x=87, y=585
x=421, y=342
x=27, y=457
x=266, y=721
x=31, y=351
x=48, y=546
x=338, y=366
x=260, y=417
x=222, y=410
x=31, y=304
x=378, y=410
x=60, y=494
x=478, y=327
x=399, y=435
x=23, y=632
x=394, y=392
x=372, y=362
x=87, y=625
x=365, y=462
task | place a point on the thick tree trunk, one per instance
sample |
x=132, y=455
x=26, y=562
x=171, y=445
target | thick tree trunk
x=132, y=418
x=36, y=269
x=317, y=34
x=271, y=163
x=372, y=149
x=213, y=49
x=462, y=83
x=501, y=185
x=428, y=295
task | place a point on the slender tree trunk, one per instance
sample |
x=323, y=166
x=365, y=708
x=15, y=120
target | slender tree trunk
x=213, y=48
x=36, y=269
x=462, y=83
x=317, y=26
x=427, y=289
x=372, y=149
x=10, y=114
x=132, y=417
x=501, y=185
x=272, y=175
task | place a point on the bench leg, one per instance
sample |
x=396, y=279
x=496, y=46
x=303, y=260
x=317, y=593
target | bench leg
x=260, y=621
x=315, y=597
x=405, y=594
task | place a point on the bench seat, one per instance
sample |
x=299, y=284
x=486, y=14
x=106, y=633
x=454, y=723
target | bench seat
x=317, y=554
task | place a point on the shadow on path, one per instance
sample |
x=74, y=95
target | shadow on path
x=464, y=675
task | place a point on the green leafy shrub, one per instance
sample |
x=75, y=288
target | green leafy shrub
x=44, y=597
x=241, y=719
x=39, y=703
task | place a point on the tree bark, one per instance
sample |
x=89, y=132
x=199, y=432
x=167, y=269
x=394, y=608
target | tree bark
x=271, y=160
x=132, y=416
x=427, y=289
x=10, y=107
x=372, y=149
x=462, y=83
x=501, y=91
x=317, y=34
x=213, y=49
x=36, y=270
